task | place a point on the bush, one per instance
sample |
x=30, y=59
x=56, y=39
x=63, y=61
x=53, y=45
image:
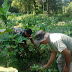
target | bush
x=29, y=59
x=69, y=10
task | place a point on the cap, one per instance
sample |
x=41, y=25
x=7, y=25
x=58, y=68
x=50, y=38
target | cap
x=40, y=36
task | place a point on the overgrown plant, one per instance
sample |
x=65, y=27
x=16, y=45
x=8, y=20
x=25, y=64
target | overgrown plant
x=29, y=59
x=4, y=10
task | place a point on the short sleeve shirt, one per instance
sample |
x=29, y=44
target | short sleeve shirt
x=19, y=32
x=59, y=42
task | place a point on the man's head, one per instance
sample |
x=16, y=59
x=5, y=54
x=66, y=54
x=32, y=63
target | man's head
x=27, y=32
x=41, y=37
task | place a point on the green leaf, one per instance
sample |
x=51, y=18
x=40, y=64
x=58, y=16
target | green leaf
x=3, y=17
x=15, y=51
x=13, y=46
x=4, y=53
x=2, y=30
x=9, y=30
x=2, y=11
x=19, y=39
x=5, y=6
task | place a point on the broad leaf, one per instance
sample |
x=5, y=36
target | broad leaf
x=2, y=30
x=1, y=11
x=5, y=6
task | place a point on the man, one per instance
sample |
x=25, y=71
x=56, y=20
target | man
x=25, y=33
x=59, y=43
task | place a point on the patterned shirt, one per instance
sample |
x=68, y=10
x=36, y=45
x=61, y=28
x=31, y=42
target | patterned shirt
x=19, y=31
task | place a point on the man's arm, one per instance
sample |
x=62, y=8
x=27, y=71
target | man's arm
x=53, y=56
x=67, y=55
x=23, y=44
x=32, y=41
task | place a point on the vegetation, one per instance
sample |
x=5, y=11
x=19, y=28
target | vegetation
x=29, y=59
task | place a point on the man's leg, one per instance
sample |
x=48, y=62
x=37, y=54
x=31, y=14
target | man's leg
x=60, y=62
x=71, y=63
x=71, y=67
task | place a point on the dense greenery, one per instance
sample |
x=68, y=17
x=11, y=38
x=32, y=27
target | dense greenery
x=24, y=59
x=37, y=6
x=28, y=59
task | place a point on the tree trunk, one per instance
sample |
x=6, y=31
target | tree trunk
x=27, y=10
x=34, y=7
x=48, y=7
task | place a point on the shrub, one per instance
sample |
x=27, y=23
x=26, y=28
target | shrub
x=69, y=10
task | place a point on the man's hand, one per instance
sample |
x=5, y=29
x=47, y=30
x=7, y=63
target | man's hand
x=45, y=66
x=25, y=45
x=66, y=69
x=35, y=46
x=52, y=57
